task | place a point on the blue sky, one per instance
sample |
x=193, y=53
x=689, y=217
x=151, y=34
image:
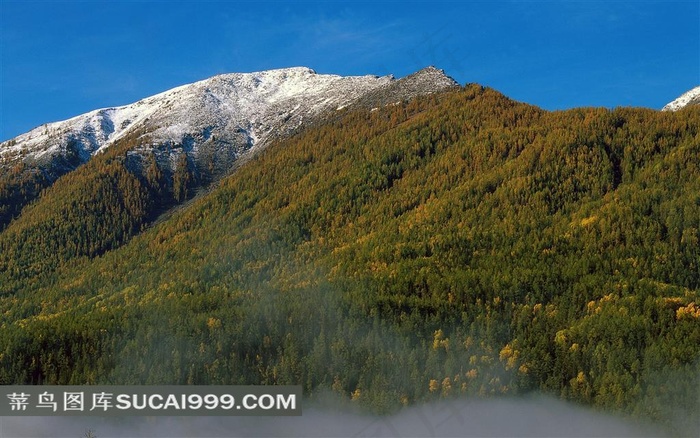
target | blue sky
x=59, y=59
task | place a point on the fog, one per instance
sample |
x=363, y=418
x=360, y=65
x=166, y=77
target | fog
x=532, y=416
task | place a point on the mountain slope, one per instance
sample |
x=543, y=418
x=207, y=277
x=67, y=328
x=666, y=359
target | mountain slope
x=211, y=123
x=461, y=243
x=689, y=98
x=175, y=144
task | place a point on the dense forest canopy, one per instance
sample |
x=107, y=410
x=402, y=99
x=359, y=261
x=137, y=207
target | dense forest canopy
x=456, y=244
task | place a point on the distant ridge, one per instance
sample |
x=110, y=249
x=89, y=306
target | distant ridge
x=689, y=98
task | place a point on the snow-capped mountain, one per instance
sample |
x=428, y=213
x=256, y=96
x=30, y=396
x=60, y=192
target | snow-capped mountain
x=193, y=135
x=691, y=97
x=237, y=111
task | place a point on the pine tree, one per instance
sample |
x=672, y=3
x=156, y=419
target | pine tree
x=182, y=179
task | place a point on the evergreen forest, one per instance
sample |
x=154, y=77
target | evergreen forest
x=456, y=245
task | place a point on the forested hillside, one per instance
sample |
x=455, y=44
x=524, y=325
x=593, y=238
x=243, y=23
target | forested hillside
x=456, y=244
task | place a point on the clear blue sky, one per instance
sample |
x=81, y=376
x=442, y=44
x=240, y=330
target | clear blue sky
x=63, y=58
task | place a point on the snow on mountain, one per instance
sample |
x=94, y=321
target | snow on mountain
x=239, y=110
x=691, y=97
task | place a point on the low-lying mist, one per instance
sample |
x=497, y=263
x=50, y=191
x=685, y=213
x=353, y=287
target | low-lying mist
x=532, y=416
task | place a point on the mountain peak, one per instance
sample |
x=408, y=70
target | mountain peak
x=434, y=74
x=425, y=81
x=225, y=105
x=689, y=98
